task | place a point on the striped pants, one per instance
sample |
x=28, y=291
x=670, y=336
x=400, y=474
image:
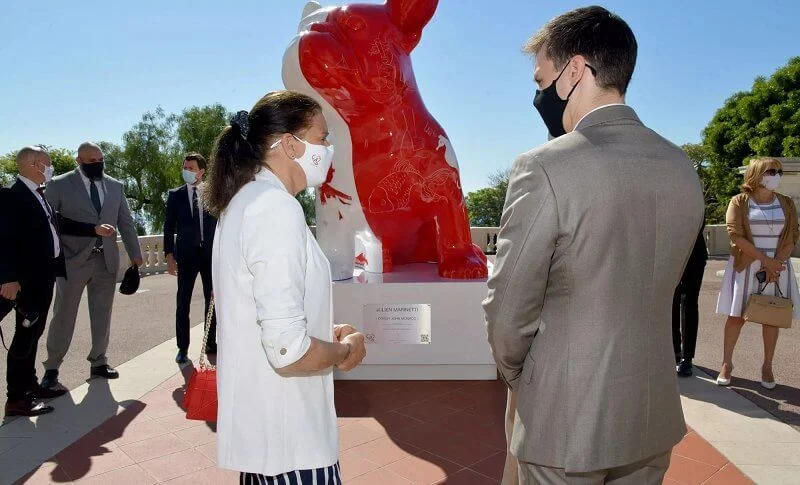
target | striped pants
x=320, y=476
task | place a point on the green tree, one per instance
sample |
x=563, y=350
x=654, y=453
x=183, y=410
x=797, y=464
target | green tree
x=700, y=156
x=148, y=164
x=485, y=206
x=764, y=121
x=8, y=168
x=199, y=127
x=306, y=198
x=63, y=159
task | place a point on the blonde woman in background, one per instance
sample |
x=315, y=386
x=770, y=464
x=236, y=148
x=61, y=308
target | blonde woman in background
x=763, y=228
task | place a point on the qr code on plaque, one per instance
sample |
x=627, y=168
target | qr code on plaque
x=425, y=338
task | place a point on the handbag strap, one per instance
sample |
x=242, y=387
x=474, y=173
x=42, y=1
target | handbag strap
x=777, y=287
x=203, y=363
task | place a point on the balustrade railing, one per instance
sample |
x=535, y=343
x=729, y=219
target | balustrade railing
x=716, y=236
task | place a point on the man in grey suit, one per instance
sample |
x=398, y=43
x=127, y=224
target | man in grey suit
x=597, y=228
x=88, y=195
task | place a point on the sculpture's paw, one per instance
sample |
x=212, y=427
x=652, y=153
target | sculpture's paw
x=464, y=264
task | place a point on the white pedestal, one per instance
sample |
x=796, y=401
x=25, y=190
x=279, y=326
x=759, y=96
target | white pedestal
x=458, y=348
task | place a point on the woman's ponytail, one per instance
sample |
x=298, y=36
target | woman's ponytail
x=241, y=147
x=233, y=164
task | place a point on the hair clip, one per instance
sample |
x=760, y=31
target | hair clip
x=241, y=120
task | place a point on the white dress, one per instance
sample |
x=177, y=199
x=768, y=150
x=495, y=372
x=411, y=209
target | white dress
x=766, y=224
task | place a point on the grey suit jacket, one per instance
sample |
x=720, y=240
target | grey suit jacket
x=597, y=228
x=67, y=194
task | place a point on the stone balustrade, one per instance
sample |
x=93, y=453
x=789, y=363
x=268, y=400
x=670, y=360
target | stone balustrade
x=485, y=237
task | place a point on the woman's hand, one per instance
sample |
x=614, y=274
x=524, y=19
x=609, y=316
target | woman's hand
x=343, y=330
x=773, y=266
x=772, y=277
x=357, y=351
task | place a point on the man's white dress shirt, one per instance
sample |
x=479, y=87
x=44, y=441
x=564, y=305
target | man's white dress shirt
x=33, y=186
x=190, y=190
x=100, y=184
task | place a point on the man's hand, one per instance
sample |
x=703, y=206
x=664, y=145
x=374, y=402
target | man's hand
x=172, y=266
x=10, y=290
x=343, y=330
x=105, y=230
x=137, y=262
x=357, y=351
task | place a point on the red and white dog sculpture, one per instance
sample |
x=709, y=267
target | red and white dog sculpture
x=393, y=196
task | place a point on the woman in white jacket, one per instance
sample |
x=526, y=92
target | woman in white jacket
x=277, y=344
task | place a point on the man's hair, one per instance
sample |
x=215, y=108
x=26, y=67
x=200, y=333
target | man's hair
x=87, y=145
x=25, y=153
x=603, y=38
x=194, y=156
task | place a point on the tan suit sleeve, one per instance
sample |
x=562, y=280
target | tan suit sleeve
x=525, y=247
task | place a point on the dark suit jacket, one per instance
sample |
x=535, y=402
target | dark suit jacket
x=26, y=241
x=179, y=221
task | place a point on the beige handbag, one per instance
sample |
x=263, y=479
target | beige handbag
x=775, y=311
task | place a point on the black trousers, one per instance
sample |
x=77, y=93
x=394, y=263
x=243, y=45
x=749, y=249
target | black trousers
x=189, y=266
x=685, y=301
x=21, y=364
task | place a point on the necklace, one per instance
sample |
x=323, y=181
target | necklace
x=771, y=220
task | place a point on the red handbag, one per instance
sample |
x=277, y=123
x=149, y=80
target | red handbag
x=200, y=400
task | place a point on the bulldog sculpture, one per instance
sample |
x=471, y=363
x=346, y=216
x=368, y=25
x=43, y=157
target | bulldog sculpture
x=393, y=196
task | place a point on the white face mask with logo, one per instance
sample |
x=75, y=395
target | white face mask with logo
x=315, y=162
x=771, y=182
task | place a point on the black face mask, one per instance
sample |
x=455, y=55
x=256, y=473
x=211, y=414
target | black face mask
x=551, y=107
x=93, y=171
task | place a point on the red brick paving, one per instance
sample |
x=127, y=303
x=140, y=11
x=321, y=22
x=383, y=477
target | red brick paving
x=404, y=432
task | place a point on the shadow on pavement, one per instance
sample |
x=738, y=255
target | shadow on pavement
x=74, y=462
x=773, y=401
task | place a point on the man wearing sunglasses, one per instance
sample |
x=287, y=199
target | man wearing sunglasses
x=598, y=225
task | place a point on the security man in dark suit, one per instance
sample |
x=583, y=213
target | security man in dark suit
x=31, y=257
x=190, y=252
x=686, y=298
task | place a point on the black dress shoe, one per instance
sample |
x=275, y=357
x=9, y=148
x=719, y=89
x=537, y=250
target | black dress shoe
x=181, y=358
x=40, y=392
x=105, y=371
x=50, y=379
x=685, y=368
x=26, y=407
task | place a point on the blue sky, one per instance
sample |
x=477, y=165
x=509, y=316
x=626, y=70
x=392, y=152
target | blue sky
x=74, y=71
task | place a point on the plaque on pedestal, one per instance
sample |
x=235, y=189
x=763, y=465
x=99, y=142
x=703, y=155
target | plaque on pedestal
x=418, y=326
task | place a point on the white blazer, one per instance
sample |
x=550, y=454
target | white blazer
x=272, y=288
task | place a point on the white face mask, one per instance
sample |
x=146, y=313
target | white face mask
x=48, y=173
x=315, y=162
x=771, y=182
x=189, y=177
